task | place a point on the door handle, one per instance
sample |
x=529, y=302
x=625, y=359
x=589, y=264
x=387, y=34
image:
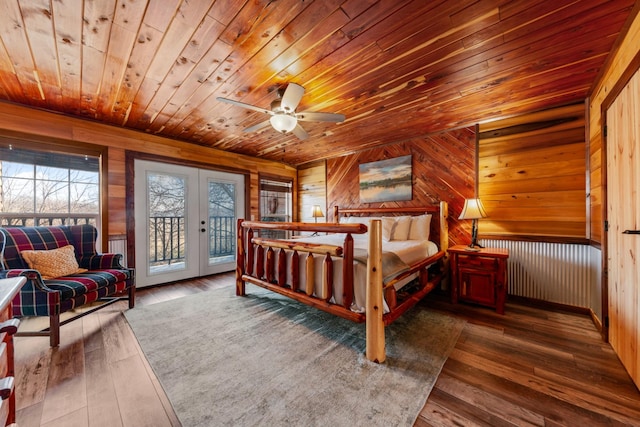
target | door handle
x=631, y=232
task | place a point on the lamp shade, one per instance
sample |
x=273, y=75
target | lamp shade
x=316, y=212
x=473, y=209
x=283, y=122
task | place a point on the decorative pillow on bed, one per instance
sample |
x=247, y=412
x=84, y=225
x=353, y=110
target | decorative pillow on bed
x=363, y=220
x=53, y=263
x=395, y=227
x=420, y=227
x=357, y=220
x=401, y=230
x=388, y=224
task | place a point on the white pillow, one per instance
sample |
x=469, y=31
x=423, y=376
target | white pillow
x=358, y=220
x=420, y=227
x=388, y=225
x=401, y=229
x=366, y=220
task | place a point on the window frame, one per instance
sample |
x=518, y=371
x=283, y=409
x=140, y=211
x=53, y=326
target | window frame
x=289, y=210
x=62, y=146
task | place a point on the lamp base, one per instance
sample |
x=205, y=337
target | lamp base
x=474, y=236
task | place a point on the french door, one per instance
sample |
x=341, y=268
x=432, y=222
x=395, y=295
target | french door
x=185, y=221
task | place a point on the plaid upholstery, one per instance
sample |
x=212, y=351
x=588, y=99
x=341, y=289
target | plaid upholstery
x=18, y=239
x=35, y=298
x=39, y=297
x=88, y=297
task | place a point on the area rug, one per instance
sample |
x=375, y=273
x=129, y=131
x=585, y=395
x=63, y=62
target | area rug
x=267, y=360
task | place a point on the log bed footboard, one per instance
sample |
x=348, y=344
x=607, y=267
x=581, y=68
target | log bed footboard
x=263, y=262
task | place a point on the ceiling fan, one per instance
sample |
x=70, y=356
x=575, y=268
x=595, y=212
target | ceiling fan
x=283, y=112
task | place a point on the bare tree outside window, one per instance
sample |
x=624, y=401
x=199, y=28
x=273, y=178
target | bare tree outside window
x=166, y=218
x=222, y=209
x=167, y=222
x=41, y=194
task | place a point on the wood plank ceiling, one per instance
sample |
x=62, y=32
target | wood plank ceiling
x=396, y=68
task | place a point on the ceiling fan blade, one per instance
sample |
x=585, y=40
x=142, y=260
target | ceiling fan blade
x=291, y=97
x=258, y=126
x=243, y=105
x=300, y=133
x=311, y=116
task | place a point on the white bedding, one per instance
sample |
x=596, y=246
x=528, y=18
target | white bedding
x=409, y=251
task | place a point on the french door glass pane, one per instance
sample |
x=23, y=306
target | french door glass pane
x=167, y=236
x=221, y=215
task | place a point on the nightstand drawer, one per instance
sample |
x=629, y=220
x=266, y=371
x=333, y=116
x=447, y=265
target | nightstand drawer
x=478, y=261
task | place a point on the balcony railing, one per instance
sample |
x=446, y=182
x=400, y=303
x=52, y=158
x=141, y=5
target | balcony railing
x=167, y=238
x=30, y=220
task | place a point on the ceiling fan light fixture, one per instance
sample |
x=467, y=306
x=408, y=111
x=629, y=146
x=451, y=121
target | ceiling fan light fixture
x=283, y=117
x=283, y=122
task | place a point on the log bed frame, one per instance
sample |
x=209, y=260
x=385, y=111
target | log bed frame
x=270, y=253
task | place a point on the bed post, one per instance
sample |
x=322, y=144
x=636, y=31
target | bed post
x=444, y=242
x=444, y=226
x=240, y=287
x=374, y=308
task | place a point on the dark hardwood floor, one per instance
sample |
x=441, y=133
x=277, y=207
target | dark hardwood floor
x=528, y=367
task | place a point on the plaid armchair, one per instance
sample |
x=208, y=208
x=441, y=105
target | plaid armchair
x=97, y=276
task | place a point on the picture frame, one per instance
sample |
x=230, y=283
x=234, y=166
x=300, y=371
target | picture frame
x=386, y=180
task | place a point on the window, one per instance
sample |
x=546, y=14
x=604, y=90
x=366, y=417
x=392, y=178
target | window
x=275, y=204
x=43, y=188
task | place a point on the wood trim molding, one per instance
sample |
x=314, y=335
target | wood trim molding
x=547, y=305
x=541, y=239
x=131, y=156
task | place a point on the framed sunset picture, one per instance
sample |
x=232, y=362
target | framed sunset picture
x=386, y=180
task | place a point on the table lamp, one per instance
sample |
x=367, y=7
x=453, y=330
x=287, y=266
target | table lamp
x=473, y=210
x=316, y=212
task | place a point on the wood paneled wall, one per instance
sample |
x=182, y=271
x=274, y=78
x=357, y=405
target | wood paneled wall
x=621, y=60
x=65, y=132
x=532, y=174
x=443, y=169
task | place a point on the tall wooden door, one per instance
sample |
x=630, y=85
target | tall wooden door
x=623, y=236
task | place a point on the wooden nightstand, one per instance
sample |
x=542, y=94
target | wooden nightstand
x=479, y=276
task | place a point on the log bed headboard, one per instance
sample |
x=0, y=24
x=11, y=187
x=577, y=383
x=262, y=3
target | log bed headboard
x=439, y=222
